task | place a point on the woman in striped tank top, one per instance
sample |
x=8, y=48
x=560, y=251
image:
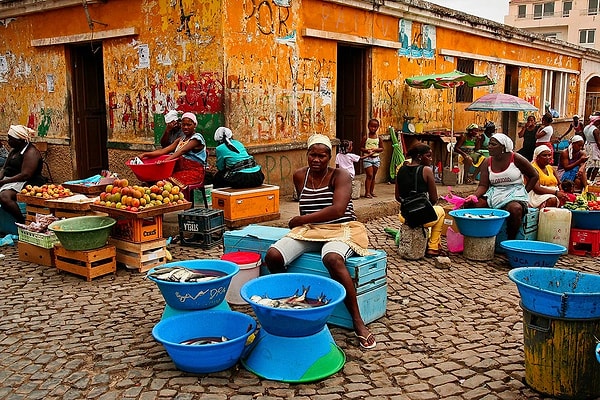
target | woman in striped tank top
x=327, y=224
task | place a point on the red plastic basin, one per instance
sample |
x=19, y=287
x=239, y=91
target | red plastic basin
x=150, y=171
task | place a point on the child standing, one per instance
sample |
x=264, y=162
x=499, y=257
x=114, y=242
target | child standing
x=345, y=159
x=370, y=148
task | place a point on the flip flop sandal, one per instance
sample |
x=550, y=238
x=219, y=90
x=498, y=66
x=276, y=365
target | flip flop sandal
x=362, y=339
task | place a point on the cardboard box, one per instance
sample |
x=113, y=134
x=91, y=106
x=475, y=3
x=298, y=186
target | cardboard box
x=247, y=203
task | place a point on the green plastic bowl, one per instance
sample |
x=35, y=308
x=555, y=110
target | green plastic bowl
x=83, y=233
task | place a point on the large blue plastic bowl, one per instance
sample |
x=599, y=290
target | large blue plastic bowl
x=197, y=295
x=532, y=253
x=582, y=219
x=558, y=293
x=486, y=223
x=293, y=322
x=235, y=326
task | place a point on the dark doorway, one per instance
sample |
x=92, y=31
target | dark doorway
x=351, y=89
x=89, y=110
x=510, y=120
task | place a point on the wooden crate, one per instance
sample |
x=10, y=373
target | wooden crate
x=251, y=203
x=31, y=210
x=141, y=256
x=36, y=254
x=89, y=263
x=138, y=230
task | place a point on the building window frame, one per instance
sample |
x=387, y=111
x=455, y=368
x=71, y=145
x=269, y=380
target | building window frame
x=522, y=11
x=555, y=90
x=587, y=37
x=567, y=8
x=593, y=6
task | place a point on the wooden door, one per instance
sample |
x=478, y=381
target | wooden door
x=89, y=110
x=351, y=85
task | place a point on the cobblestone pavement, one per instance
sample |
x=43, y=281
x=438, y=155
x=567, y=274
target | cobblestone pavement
x=452, y=334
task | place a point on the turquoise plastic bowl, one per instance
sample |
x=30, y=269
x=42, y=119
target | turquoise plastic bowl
x=293, y=322
x=207, y=358
x=486, y=223
x=558, y=293
x=197, y=295
x=532, y=253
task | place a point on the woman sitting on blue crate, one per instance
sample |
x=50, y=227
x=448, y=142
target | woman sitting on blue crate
x=572, y=162
x=23, y=167
x=235, y=167
x=546, y=192
x=501, y=184
x=326, y=224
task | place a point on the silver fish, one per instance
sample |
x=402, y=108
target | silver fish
x=204, y=340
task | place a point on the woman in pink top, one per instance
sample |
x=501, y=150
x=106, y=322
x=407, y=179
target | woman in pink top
x=544, y=133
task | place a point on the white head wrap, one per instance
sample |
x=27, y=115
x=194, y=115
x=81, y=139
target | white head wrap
x=190, y=116
x=223, y=134
x=171, y=116
x=594, y=118
x=574, y=139
x=317, y=138
x=20, y=132
x=505, y=141
x=539, y=150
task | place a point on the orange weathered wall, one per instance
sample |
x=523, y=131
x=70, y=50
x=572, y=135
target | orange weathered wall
x=241, y=63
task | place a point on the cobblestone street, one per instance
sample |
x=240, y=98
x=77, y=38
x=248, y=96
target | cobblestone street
x=448, y=333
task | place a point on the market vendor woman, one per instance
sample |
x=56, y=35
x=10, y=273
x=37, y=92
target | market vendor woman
x=236, y=168
x=326, y=224
x=23, y=167
x=190, y=151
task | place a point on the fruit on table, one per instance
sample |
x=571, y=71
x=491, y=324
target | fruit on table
x=136, y=198
x=48, y=191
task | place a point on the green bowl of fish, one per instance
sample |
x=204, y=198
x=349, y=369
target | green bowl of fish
x=83, y=233
x=194, y=284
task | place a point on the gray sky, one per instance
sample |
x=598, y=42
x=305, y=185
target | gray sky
x=490, y=9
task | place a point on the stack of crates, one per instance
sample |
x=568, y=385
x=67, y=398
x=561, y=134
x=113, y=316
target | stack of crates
x=201, y=227
x=369, y=273
x=139, y=242
x=37, y=247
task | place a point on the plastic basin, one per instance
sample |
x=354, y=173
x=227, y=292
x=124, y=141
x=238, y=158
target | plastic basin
x=196, y=295
x=293, y=322
x=150, y=171
x=483, y=222
x=582, y=219
x=206, y=358
x=558, y=293
x=82, y=233
x=532, y=253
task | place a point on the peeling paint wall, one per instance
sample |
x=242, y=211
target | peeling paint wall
x=244, y=63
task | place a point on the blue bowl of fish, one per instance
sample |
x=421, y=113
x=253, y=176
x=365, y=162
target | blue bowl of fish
x=479, y=222
x=293, y=304
x=532, y=253
x=194, y=284
x=558, y=293
x=205, y=341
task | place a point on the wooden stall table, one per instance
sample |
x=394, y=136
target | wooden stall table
x=137, y=236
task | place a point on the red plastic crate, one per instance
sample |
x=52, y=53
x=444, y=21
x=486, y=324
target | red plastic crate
x=584, y=241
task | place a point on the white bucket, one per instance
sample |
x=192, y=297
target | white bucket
x=249, y=264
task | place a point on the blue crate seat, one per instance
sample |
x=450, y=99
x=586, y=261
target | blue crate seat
x=368, y=273
x=527, y=231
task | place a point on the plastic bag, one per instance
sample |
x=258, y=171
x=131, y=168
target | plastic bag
x=456, y=201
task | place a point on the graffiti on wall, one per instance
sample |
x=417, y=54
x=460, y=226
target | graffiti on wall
x=271, y=18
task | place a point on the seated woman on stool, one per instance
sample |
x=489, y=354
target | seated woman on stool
x=23, y=167
x=420, y=155
x=326, y=224
x=190, y=151
x=545, y=193
x=572, y=162
x=501, y=184
x=235, y=167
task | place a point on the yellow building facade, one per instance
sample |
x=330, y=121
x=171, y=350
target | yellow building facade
x=95, y=78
